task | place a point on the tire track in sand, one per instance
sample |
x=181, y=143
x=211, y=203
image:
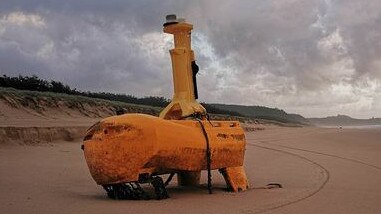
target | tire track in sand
x=320, y=187
x=325, y=154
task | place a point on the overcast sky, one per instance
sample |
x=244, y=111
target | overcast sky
x=315, y=58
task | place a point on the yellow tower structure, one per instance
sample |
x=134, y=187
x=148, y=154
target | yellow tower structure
x=185, y=89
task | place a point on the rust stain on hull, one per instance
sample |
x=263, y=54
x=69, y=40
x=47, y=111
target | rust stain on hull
x=119, y=149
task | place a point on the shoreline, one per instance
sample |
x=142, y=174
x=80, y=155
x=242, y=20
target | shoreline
x=352, y=126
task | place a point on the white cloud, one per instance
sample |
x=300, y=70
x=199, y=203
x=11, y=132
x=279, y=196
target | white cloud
x=20, y=18
x=46, y=50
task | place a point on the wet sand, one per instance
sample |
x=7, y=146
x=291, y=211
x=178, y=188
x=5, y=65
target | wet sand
x=321, y=170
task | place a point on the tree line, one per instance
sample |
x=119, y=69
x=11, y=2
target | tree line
x=34, y=83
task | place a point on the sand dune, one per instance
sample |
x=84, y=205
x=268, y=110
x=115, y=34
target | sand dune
x=321, y=170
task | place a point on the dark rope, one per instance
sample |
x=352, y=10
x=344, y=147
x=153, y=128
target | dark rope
x=193, y=115
x=208, y=156
x=169, y=179
x=208, y=119
x=198, y=117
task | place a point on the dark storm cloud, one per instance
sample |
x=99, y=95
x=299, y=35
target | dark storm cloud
x=310, y=57
x=95, y=46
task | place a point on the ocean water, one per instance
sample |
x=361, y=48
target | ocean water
x=356, y=127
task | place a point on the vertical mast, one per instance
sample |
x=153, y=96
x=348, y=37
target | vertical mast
x=184, y=102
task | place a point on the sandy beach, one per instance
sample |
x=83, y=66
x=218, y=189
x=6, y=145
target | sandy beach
x=322, y=170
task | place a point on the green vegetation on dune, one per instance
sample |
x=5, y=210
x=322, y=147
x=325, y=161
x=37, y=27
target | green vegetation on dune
x=262, y=112
x=33, y=83
x=40, y=101
x=33, y=89
x=74, y=98
x=344, y=120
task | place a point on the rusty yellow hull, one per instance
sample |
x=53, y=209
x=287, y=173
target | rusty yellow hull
x=119, y=149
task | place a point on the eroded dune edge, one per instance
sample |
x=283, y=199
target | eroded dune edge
x=30, y=117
